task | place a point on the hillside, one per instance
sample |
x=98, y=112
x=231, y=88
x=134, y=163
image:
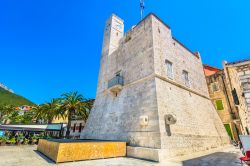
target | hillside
x=13, y=99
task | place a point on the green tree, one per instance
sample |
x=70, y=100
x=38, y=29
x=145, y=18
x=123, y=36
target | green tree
x=5, y=112
x=2, y=112
x=48, y=111
x=84, y=113
x=14, y=117
x=51, y=110
x=27, y=117
x=72, y=104
x=38, y=112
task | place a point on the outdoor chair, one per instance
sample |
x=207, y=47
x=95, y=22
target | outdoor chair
x=246, y=158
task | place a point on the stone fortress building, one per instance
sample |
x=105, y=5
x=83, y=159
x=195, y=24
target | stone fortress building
x=152, y=93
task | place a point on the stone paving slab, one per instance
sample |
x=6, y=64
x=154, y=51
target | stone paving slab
x=28, y=156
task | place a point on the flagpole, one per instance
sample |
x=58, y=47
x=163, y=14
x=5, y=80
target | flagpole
x=142, y=8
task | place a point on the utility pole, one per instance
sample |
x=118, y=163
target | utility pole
x=142, y=8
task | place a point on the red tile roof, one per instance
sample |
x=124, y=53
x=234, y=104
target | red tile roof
x=209, y=70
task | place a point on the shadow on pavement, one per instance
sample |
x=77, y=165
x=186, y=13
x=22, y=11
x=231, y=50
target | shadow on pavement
x=215, y=159
x=44, y=157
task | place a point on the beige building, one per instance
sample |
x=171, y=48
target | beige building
x=152, y=93
x=76, y=128
x=60, y=120
x=238, y=75
x=221, y=96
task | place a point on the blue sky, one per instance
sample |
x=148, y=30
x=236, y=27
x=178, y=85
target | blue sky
x=50, y=47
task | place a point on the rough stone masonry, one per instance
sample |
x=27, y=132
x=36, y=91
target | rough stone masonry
x=152, y=93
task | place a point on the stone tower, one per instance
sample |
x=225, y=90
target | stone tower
x=152, y=93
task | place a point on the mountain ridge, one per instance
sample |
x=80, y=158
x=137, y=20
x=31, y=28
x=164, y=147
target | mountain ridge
x=9, y=98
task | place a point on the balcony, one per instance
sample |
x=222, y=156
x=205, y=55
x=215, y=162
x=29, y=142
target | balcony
x=115, y=84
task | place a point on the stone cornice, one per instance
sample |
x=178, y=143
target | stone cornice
x=181, y=86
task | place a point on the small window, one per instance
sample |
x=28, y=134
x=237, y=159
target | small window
x=219, y=105
x=74, y=128
x=169, y=66
x=185, y=76
x=80, y=127
x=235, y=97
x=214, y=87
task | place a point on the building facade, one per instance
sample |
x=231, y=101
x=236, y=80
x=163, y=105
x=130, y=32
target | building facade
x=23, y=109
x=221, y=96
x=76, y=128
x=238, y=75
x=152, y=93
x=60, y=120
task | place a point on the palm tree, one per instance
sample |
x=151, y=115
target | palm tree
x=72, y=104
x=51, y=110
x=39, y=112
x=87, y=104
x=47, y=111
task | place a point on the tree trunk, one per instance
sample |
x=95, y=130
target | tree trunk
x=69, y=124
x=50, y=121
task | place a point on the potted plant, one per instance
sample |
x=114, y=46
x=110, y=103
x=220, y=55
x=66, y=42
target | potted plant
x=34, y=139
x=3, y=140
x=26, y=141
x=19, y=139
x=11, y=141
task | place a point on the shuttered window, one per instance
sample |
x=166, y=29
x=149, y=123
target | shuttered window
x=219, y=105
x=169, y=66
x=229, y=131
x=235, y=97
x=185, y=76
x=215, y=87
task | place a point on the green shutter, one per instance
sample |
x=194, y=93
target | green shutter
x=229, y=131
x=219, y=105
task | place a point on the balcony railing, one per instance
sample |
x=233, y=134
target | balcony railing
x=117, y=80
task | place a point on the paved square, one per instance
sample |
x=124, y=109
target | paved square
x=27, y=155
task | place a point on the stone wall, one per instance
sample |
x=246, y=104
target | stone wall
x=198, y=126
